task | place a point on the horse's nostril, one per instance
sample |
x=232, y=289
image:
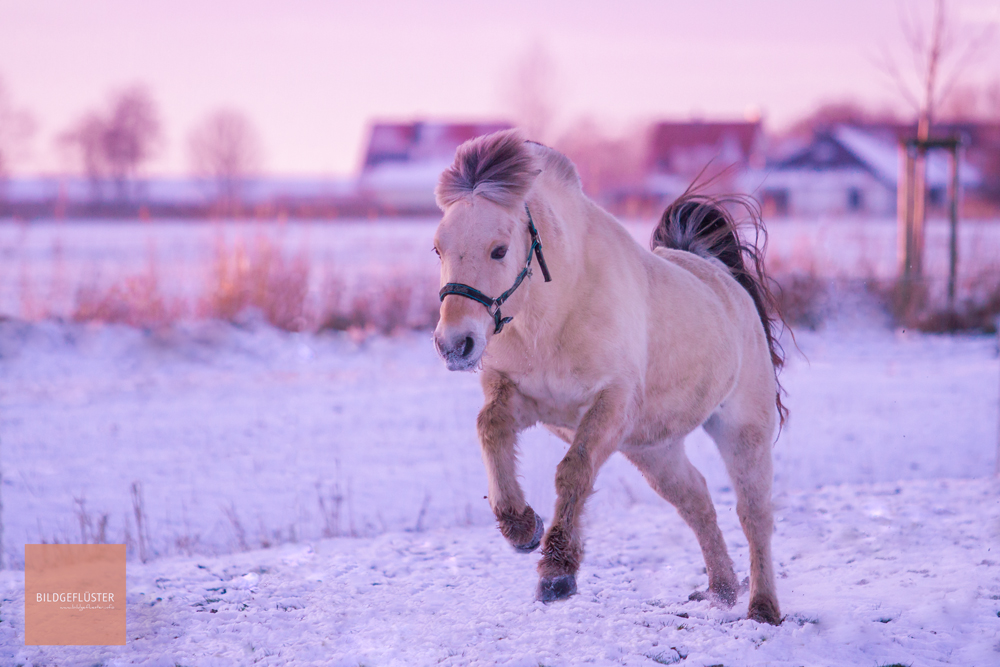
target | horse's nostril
x=469, y=344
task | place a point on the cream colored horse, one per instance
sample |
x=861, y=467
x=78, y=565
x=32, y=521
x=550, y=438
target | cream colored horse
x=624, y=350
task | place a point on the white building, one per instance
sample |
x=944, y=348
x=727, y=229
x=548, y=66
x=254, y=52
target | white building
x=847, y=170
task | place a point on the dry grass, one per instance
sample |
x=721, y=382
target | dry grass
x=260, y=277
x=252, y=279
x=918, y=306
x=396, y=304
x=803, y=299
x=136, y=301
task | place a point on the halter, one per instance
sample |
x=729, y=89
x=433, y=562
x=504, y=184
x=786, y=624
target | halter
x=493, y=305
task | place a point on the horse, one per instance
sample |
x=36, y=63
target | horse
x=617, y=348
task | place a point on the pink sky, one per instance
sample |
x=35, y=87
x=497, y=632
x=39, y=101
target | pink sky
x=311, y=73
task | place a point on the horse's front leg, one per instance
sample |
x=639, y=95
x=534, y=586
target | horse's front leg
x=498, y=424
x=599, y=434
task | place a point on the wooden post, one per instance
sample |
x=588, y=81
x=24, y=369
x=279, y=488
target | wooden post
x=906, y=198
x=953, y=228
x=919, y=212
x=909, y=194
x=903, y=212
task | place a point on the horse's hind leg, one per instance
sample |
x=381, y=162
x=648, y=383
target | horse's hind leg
x=666, y=467
x=498, y=426
x=745, y=445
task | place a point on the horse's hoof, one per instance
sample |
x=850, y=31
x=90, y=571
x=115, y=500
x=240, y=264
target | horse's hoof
x=764, y=610
x=723, y=594
x=551, y=589
x=536, y=539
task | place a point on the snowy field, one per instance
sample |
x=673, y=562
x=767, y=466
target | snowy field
x=318, y=499
x=44, y=264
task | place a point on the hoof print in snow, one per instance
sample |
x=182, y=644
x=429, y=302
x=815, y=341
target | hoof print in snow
x=764, y=610
x=551, y=589
x=536, y=539
x=698, y=596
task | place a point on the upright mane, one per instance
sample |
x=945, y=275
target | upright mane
x=499, y=167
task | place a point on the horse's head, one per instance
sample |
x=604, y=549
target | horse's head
x=484, y=247
x=483, y=242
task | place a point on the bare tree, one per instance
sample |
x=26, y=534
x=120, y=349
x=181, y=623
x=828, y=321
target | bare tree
x=940, y=54
x=528, y=90
x=830, y=114
x=972, y=102
x=117, y=142
x=605, y=163
x=131, y=135
x=17, y=127
x=86, y=140
x=226, y=148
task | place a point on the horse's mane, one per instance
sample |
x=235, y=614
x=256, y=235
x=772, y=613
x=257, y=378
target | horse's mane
x=499, y=167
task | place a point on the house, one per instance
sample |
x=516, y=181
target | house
x=850, y=170
x=684, y=148
x=681, y=151
x=404, y=160
x=678, y=152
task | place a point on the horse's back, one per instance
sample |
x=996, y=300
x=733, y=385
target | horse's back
x=714, y=275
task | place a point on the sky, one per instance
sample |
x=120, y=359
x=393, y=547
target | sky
x=312, y=75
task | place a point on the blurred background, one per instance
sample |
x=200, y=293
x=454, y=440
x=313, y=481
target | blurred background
x=331, y=109
x=882, y=116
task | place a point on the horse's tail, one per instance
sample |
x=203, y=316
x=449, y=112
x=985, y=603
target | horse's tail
x=702, y=224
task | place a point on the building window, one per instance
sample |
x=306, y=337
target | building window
x=855, y=199
x=776, y=202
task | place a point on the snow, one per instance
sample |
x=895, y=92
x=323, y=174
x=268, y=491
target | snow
x=869, y=574
x=887, y=510
x=319, y=499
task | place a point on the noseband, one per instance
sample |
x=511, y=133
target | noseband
x=493, y=305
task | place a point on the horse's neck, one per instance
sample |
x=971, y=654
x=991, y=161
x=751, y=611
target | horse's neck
x=561, y=224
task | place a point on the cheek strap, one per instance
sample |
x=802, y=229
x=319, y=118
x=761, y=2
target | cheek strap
x=493, y=305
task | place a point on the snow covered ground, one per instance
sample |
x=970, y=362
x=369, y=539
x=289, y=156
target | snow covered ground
x=869, y=575
x=319, y=499
x=886, y=505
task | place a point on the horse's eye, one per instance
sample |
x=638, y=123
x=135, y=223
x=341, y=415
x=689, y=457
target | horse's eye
x=499, y=252
x=436, y=251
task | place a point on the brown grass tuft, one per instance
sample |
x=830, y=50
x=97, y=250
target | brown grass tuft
x=136, y=301
x=803, y=299
x=386, y=307
x=917, y=306
x=260, y=277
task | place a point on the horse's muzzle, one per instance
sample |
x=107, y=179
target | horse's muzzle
x=460, y=351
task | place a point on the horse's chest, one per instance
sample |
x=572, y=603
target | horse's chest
x=555, y=400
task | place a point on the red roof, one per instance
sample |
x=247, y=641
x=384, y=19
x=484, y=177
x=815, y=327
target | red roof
x=422, y=140
x=670, y=138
